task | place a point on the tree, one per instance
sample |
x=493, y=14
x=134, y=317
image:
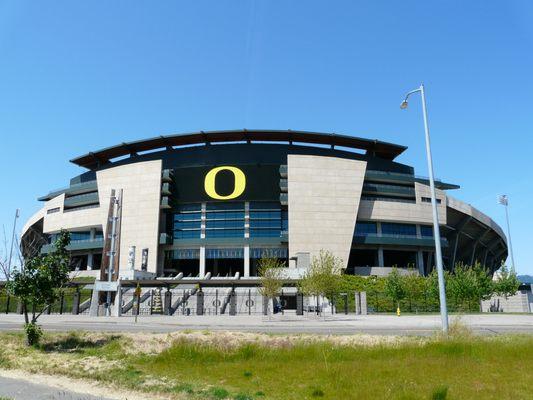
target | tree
x=323, y=278
x=507, y=282
x=468, y=285
x=270, y=271
x=38, y=284
x=395, y=286
x=414, y=285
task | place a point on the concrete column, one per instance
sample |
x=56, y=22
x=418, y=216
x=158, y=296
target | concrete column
x=167, y=302
x=357, y=302
x=90, y=261
x=200, y=303
x=364, y=309
x=381, y=260
x=232, y=303
x=265, y=305
x=420, y=262
x=76, y=303
x=116, y=309
x=93, y=310
x=202, y=261
x=246, y=261
x=418, y=231
x=299, y=304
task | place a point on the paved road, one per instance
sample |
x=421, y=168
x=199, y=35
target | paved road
x=23, y=390
x=338, y=324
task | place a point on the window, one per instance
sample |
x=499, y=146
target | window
x=267, y=219
x=366, y=228
x=187, y=222
x=398, y=229
x=53, y=210
x=218, y=233
x=426, y=231
x=78, y=236
x=387, y=198
x=428, y=200
x=225, y=223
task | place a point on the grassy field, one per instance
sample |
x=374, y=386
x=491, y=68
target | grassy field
x=203, y=365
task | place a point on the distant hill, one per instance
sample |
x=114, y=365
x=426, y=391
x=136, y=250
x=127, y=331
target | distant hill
x=525, y=278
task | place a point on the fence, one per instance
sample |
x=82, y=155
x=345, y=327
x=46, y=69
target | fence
x=68, y=303
x=241, y=301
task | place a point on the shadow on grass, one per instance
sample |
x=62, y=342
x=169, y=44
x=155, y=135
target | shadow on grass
x=74, y=343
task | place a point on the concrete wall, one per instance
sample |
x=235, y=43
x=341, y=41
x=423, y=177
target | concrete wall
x=141, y=185
x=324, y=194
x=520, y=302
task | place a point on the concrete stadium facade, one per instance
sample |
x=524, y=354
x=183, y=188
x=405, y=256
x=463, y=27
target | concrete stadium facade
x=214, y=202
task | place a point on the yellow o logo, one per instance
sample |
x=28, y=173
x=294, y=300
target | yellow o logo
x=209, y=183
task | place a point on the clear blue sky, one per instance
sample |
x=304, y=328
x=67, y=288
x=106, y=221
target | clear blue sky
x=79, y=76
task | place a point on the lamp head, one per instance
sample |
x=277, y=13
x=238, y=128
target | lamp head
x=404, y=104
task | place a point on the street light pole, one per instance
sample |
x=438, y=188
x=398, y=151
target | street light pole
x=504, y=200
x=436, y=229
x=17, y=214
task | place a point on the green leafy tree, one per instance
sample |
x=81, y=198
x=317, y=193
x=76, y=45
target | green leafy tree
x=414, y=285
x=395, y=286
x=270, y=271
x=507, y=282
x=468, y=285
x=38, y=284
x=323, y=278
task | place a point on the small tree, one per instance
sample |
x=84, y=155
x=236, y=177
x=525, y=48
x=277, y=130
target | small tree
x=271, y=275
x=395, y=287
x=38, y=284
x=468, y=285
x=507, y=282
x=414, y=285
x=323, y=278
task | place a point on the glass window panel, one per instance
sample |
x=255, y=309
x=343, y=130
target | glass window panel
x=426, y=231
x=265, y=233
x=230, y=223
x=192, y=234
x=225, y=206
x=398, y=229
x=366, y=228
x=217, y=233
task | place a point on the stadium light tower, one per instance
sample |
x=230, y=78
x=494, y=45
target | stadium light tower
x=436, y=229
x=504, y=201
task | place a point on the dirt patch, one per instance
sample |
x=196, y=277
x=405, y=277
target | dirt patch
x=142, y=343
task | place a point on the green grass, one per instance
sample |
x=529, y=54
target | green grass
x=464, y=367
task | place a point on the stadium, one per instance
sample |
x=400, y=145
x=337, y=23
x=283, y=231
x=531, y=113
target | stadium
x=214, y=202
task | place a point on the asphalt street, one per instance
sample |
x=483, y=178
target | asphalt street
x=20, y=389
x=338, y=324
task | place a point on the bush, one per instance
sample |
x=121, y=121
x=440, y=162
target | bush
x=33, y=333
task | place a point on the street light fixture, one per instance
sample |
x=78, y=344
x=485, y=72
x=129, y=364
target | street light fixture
x=436, y=229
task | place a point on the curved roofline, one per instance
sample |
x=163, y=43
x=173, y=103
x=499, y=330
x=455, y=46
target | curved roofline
x=385, y=150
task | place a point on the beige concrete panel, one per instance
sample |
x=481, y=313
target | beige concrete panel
x=395, y=211
x=72, y=220
x=141, y=185
x=324, y=194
